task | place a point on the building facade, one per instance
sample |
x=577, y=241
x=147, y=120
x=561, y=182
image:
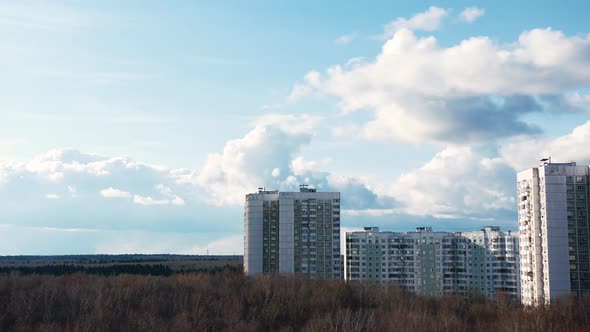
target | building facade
x=554, y=232
x=293, y=232
x=434, y=263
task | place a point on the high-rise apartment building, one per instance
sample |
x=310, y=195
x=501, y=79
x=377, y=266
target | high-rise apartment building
x=434, y=263
x=293, y=232
x=554, y=232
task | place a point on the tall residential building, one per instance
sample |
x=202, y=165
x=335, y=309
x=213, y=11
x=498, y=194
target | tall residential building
x=293, y=232
x=434, y=263
x=554, y=232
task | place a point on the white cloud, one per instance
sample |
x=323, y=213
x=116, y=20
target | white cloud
x=114, y=193
x=52, y=196
x=267, y=157
x=461, y=182
x=173, y=199
x=169, y=197
x=458, y=182
x=470, y=14
x=248, y=163
x=311, y=81
x=345, y=39
x=68, y=173
x=420, y=92
x=301, y=166
x=177, y=201
x=426, y=21
x=525, y=153
x=578, y=101
x=276, y=172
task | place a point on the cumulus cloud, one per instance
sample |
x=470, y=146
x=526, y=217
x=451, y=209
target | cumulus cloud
x=69, y=173
x=169, y=198
x=268, y=156
x=427, y=21
x=577, y=101
x=471, y=14
x=114, y=193
x=459, y=182
x=525, y=152
x=421, y=92
x=471, y=183
x=455, y=120
x=247, y=163
x=311, y=82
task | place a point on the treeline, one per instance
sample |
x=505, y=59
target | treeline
x=109, y=270
x=63, y=269
x=231, y=301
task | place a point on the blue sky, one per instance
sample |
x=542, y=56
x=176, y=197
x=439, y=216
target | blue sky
x=138, y=126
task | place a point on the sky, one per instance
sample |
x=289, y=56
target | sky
x=139, y=126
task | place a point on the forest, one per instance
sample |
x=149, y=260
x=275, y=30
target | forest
x=231, y=301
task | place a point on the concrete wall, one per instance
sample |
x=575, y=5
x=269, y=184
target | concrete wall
x=253, y=235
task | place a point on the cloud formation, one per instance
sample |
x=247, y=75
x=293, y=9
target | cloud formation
x=465, y=182
x=268, y=156
x=526, y=152
x=459, y=182
x=428, y=20
x=471, y=14
x=114, y=193
x=421, y=92
x=73, y=189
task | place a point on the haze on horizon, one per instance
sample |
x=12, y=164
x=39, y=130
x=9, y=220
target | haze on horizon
x=138, y=127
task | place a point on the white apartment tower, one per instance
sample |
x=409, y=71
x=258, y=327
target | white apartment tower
x=554, y=234
x=434, y=263
x=293, y=232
